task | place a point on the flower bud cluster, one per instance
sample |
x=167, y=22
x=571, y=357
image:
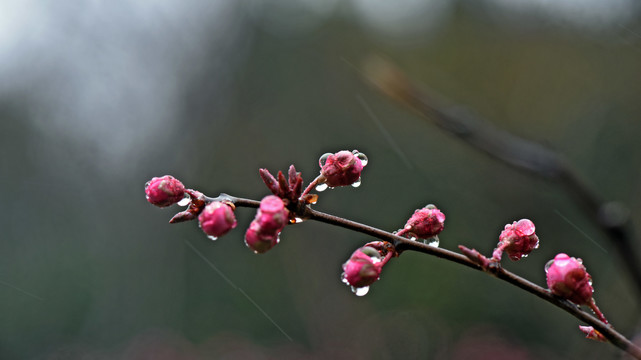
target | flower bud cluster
x=263, y=232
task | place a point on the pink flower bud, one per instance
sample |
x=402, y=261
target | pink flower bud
x=272, y=214
x=258, y=240
x=217, y=219
x=271, y=218
x=343, y=168
x=425, y=223
x=363, y=268
x=568, y=278
x=517, y=240
x=164, y=191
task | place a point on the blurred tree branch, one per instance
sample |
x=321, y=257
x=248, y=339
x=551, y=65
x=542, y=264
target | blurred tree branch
x=611, y=217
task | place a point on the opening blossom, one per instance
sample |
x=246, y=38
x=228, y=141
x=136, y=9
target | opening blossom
x=217, y=218
x=517, y=240
x=263, y=232
x=164, y=191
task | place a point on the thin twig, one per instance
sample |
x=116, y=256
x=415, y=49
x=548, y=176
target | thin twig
x=515, y=151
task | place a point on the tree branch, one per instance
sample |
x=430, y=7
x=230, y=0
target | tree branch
x=401, y=244
x=515, y=151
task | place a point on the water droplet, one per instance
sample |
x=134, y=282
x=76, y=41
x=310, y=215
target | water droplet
x=432, y=241
x=548, y=264
x=323, y=159
x=278, y=238
x=536, y=246
x=524, y=256
x=321, y=187
x=344, y=279
x=298, y=220
x=361, y=291
x=185, y=200
x=362, y=157
x=212, y=238
x=357, y=183
x=147, y=184
x=590, y=282
x=580, y=261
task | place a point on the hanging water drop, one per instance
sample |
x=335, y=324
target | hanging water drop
x=432, y=241
x=344, y=279
x=323, y=159
x=548, y=265
x=357, y=183
x=321, y=187
x=361, y=291
x=212, y=238
x=362, y=157
x=185, y=200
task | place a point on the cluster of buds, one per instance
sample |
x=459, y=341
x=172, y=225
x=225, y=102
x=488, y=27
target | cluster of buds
x=424, y=225
x=517, y=239
x=365, y=265
x=216, y=216
x=263, y=232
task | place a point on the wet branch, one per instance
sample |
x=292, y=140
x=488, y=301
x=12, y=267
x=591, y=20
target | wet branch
x=401, y=244
x=611, y=217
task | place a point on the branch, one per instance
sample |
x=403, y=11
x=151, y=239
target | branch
x=401, y=244
x=517, y=152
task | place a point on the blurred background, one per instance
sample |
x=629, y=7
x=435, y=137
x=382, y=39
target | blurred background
x=98, y=97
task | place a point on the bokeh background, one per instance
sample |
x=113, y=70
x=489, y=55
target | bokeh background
x=98, y=97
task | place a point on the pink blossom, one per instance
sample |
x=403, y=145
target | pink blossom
x=164, y=191
x=341, y=169
x=425, y=223
x=517, y=240
x=568, y=278
x=217, y=219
